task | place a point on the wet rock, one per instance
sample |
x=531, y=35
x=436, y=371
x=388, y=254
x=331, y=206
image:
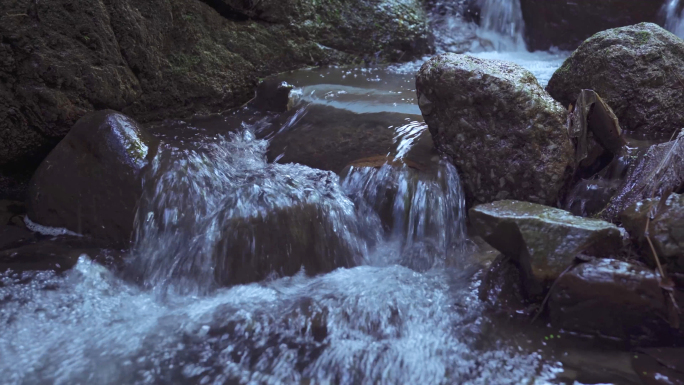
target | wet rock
x=91, y=182
x=272, y=95
x=638, y=70
x=565, y=24
x=542, y=240
x=482, y=112
x=589, y=197
x=155, y=59
x=651, y=174
x=329, y=138
x=502, y=287
x=613, y=299
x=666, y=228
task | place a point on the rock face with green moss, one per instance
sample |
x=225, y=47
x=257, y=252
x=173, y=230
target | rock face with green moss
x=503, y=132
x=637, y=70
x=91, y=182
x=565, y=24
x=543, y=241
x=153, y=59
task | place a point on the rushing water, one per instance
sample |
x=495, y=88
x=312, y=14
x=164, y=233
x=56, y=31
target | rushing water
x=359, y=278
x=674, y=17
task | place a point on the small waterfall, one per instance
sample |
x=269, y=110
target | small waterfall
x=673, y=14
x=501, y=23
x=424, y=211
x=220, y=214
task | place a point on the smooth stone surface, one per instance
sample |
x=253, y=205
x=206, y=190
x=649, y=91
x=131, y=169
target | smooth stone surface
x=638, y=71
x=91, y=182
x=543, y=241
x=503, y=132
x=611, y=298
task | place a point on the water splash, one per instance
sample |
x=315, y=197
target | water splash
x=673, y=13
x=220, y=214
x=423, y=211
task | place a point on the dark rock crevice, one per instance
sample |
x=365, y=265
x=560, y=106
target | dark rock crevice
x=226, y=10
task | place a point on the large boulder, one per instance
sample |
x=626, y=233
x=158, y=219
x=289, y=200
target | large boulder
x=611, y=298
x=503, y=132
x=91, y=182
x=666, y=228
x=543, y=241
x=565, y=24
x=638, y=71
x=154, y=59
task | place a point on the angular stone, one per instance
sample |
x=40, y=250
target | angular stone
x=91, y=182
x=542, y=240
x=503, y=132
x=638, y=71
x=611, y=298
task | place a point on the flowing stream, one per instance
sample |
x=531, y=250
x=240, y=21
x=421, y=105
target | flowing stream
x=674, y=17
x=380, y=282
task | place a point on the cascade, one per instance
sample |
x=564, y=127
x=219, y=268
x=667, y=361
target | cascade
x=674, y=17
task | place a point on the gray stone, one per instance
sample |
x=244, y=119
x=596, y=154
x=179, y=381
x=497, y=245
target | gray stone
x=503, y=132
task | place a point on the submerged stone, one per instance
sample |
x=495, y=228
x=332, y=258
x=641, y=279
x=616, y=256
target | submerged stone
x=638, y=70
x=611, y=298
x=91, y=182
x=503, y=132
x=542, y=240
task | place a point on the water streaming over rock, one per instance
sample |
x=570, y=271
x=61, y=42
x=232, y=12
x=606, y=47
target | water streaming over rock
x=220, y=214
x=673, y=13
x=501, y=22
